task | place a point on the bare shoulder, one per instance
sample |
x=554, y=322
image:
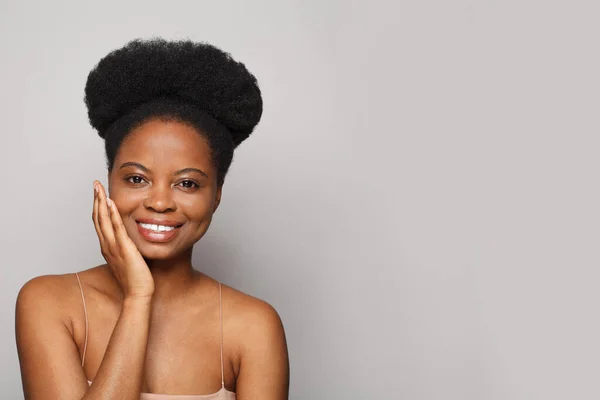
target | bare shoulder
x=250, y=319
x=45, y=336
x=258, y=334
x=53, y=296
x=44, y=304
x=248, y=310
x=46, y=292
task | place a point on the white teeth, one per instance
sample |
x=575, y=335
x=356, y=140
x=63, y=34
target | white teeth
x=157, y=228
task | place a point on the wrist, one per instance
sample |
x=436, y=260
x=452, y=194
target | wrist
x=135, y=301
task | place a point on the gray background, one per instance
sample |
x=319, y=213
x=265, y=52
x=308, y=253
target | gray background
x=419, y=202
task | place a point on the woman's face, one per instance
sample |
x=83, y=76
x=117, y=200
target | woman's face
x=164, y=184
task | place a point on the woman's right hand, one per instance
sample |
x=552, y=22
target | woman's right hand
x=123, y=258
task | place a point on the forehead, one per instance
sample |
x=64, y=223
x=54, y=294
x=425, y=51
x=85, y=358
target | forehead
x=165, y=144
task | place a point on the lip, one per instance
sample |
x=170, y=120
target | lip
x=158, y=237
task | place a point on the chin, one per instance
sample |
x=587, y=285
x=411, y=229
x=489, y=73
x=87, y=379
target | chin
x=157, y=252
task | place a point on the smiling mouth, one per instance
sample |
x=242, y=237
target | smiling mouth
x=158, y=233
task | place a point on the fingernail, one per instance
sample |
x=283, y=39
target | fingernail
x=95, y=187
x=109, y=202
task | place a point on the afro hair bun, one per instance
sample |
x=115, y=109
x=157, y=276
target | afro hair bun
x=195, y=73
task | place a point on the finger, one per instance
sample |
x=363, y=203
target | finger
x=104, y=218
x=95, y=216
x=117, y=223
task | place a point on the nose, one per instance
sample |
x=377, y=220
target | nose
x=160, y=199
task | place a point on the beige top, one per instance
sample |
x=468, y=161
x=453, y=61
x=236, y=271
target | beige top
x=222, y=394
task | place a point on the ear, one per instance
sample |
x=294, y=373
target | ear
x=217, y=198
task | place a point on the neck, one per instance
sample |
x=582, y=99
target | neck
x=173, y=277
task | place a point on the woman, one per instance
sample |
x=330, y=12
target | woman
x=146, y=324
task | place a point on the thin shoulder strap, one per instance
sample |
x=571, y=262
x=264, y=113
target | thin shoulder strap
x=86, y=319
x=221, y=321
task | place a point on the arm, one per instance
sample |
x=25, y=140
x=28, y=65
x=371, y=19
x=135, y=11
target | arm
x=264, y=364
x=48, y=355
x=49, y=359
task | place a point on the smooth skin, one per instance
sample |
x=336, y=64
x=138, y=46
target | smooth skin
x=153, y=319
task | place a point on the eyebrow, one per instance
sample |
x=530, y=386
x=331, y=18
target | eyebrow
x=179, y=172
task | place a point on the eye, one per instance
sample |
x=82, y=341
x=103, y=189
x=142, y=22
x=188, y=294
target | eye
x=135, y=179
x=188, y=184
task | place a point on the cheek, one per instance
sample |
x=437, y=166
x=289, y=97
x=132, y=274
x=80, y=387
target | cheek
x=196, y=209
x=127, y=203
